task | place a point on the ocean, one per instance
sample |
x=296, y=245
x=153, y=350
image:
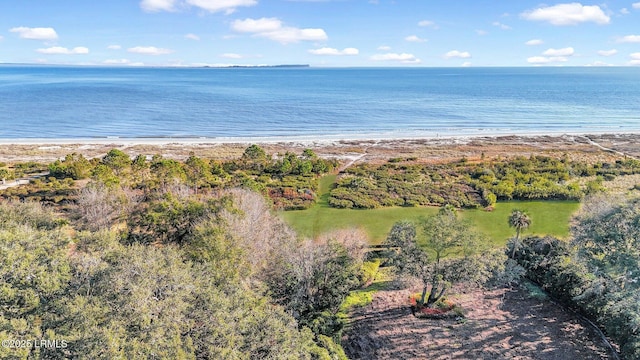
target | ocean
x=57, y=102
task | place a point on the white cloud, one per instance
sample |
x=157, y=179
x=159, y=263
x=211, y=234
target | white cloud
x=534, y=42
x=192, y=37
x=158, y=5
x=114, y=47
x=414, y=38
x=227, y=6
x=58, y=50
x=635, y=56
x=629, y=39
x=1, y=37
x=272, y=28
x=599, y=63
x=552, y=56
x=636, y=5
x=481, y=32
x=149, y=50
x=35, y=33
x=568, y=14
x=117, y=62
x=624, y=11
x=429, y=24
x=568, y=51
x=457, y=54
x=231, y=56
x=261, y=25
x=546, y=59
x=384, y=48
x=607, y=52
x=501, y=25
x=404, y=58
x=467, y=64
x=335, y=52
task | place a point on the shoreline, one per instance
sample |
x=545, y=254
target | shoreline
x=303, y=139
x=604, y=146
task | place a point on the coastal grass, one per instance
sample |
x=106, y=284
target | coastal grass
x=548, y=217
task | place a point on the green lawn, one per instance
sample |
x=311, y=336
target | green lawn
x=548, y=217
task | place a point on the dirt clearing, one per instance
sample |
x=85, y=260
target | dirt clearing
x=499, y=324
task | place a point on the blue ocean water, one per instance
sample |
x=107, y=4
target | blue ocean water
x=98, y=102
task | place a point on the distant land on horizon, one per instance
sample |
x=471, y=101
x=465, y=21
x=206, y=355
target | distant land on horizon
x=168, y=66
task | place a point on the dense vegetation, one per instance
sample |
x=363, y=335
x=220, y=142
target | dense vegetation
x=20, y=169
x=158, y=258
x=290, y=180
x=598, y=272
x=187, y=276
x=404, y=182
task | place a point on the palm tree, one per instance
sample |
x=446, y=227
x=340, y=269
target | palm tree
x=519, y=220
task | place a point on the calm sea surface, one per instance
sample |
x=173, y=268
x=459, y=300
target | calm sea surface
x=88, y=102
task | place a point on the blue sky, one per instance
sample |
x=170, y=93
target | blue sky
x=320, y=32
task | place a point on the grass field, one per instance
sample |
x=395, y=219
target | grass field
x=548, y=217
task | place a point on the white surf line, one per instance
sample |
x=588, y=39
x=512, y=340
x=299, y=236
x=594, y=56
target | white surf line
x=591, y=142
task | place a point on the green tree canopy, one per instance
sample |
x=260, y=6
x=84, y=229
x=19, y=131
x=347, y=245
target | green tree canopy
x=445, y=251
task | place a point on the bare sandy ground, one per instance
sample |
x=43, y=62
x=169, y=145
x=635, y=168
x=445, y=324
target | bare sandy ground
x=499, y=324
x=602, y=147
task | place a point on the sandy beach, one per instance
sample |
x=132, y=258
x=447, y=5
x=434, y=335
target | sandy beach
x=590, y=147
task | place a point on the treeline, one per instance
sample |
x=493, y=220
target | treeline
x=598, y=272
x=403, y=182
x=290, y=180
x=171, y=275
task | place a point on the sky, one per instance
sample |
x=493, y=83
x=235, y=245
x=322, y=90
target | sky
x=323, y=33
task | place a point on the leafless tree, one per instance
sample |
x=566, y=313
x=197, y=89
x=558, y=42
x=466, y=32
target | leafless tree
x=265, y=236
x=97, y=207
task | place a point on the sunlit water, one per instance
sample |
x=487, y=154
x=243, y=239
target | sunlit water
x=96, y=102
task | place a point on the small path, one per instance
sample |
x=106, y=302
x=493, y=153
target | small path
x=357, y=158
x=351, y=162
x=5, y=184
x=591, y=142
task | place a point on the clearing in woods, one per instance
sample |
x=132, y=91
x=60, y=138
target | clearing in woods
x=548, y=217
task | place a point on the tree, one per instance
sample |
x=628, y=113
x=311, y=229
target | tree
x=98, y=206
x=198, y=172
x=117, y=160
x=172, y=218
x=444, y=253
x=74, y=166
x=519, y=220
x=254, y=153
x=100, y=299
x=34, y=270
x=4, y=173
x=607, y=236
x=254, y=158
x=167, y=172
x=309, y=154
